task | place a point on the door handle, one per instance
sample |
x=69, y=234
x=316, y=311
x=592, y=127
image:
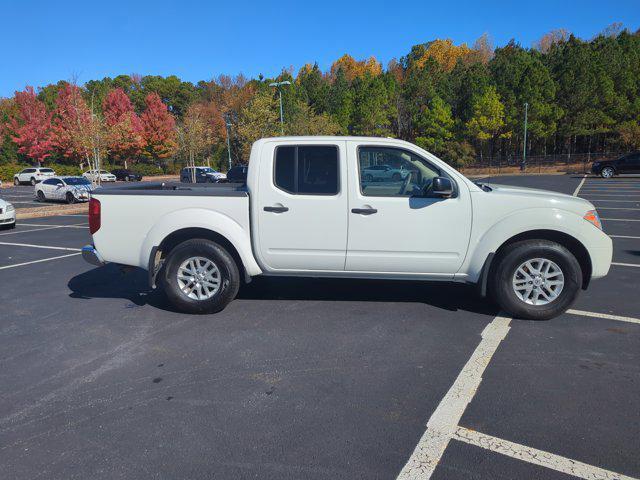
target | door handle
x=276, y=209
x=364, y=211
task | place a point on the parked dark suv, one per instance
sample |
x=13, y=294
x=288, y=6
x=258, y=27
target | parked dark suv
x=238, y=174
x=126, y=175
x=629, y=163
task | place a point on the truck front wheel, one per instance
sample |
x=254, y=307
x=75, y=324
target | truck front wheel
x=536, y=279
x=200, y=276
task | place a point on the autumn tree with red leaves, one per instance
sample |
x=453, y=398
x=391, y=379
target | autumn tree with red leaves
x=158, y=128
x=76, y=132
x=31, y=127
x=124, y=128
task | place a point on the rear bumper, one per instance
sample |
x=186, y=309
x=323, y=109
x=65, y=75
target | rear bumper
x=91, y=255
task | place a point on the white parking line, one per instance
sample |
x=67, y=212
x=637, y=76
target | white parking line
x=443, y=423
x=604, y=315
x=617, y=208
x=27, y=231
x=593, y=191
x=39, y=261
x=624, y=236
x=40, y=246
x=625, y=264
x=575, y=192
x=624, y=201
x=608, y=195
x=73, y=225
x=536, y=457
x=620, y=219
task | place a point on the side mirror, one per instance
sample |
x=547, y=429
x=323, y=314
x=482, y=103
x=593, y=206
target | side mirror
x=60, y=184
x=442, y=187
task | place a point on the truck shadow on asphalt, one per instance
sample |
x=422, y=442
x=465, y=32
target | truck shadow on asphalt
x=111, y=282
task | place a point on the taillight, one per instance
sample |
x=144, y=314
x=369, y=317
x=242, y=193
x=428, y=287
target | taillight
x=94, y=215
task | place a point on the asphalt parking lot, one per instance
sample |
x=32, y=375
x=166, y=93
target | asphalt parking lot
x=314, y=379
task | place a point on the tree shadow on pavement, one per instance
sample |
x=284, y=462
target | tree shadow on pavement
x=111, y=282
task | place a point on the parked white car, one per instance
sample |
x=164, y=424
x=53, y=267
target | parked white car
x=306, y=211
x=7, y=215
x=383, y=173
x=67, y=189
x=201, y=175
x=104, y=176
x=32, y=175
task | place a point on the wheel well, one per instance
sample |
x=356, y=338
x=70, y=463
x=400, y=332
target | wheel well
x=179, y=236
x=567, y=241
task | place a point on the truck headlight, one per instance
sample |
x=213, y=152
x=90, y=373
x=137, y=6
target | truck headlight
x=592, y=217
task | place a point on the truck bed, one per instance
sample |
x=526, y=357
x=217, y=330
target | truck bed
x=137, y=217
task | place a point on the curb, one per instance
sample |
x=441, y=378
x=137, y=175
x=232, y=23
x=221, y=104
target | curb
x=51, y=212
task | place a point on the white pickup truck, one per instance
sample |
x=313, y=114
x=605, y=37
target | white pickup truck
x=308, y=210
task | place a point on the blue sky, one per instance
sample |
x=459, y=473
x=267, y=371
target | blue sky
x=44, y=41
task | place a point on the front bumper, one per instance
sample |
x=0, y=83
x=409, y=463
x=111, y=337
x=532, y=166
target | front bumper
x=7, y=218
x=91, y=255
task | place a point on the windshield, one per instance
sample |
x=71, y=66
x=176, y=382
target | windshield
x=207, y=170
x=77, y=181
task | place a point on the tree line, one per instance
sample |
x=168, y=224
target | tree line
x=460, y=102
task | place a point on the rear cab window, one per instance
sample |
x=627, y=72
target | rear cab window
x=307, y=169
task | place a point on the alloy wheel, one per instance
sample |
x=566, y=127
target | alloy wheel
x=198, y=278
x=538, y=281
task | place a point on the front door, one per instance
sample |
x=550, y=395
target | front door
x=302, y=206
x=394, y=225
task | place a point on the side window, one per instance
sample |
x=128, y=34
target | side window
x=51, y=181
x=307, y=170
x=394, y=172
x=634, y=159
x=29, y=170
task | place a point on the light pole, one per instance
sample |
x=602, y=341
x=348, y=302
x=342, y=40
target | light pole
x=524, y=147
x=279, y=86
x=227, y=121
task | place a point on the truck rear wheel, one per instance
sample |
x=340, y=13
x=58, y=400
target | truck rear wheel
x=536, y=279
x=200, y=276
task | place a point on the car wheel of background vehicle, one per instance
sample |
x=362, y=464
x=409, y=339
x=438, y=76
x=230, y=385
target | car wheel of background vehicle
x=70, y=198
x=200, y=276
x=535, y=279
x=33, y=182
x=396, y=177
x=16, y=182
x=368, y=177
x=40, y=195
x=607, y=172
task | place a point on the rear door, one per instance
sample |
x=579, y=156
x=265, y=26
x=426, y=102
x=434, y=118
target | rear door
x=301, y=206
x=48, y=187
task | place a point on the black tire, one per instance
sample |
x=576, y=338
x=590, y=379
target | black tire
x=396, y=177
x=516, y=254
x=70, y=198
x=607, y=172
x=33, y=182
x=229, y=276
x=16, y=182
x=40, y=196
